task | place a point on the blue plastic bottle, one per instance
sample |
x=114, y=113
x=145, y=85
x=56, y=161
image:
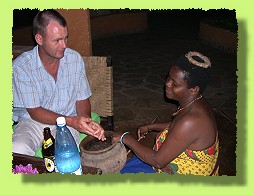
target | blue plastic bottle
x=67, y=156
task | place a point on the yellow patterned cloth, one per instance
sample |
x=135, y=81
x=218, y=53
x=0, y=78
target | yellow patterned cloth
x=193, y=162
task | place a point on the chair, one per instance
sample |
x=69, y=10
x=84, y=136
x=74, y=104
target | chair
x=99, y=73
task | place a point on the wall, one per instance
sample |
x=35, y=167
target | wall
x=82, y=29
x=219, y=38
x=23, y=36
x=79, y=30
x=115, y=24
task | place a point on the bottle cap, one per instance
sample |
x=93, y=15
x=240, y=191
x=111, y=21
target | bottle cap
x=60, y=121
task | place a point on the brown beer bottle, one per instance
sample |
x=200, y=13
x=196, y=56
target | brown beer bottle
x=48, y=150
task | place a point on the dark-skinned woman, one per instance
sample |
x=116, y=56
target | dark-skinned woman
x=188, y=143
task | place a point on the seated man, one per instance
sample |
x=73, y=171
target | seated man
x=50, y=81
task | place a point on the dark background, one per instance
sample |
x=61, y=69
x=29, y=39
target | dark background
x=156, y=18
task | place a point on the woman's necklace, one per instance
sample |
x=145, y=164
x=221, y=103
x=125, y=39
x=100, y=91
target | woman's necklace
x=180, y=109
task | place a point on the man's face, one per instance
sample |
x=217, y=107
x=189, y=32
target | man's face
x=54, y=42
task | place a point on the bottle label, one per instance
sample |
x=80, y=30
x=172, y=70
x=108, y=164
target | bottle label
x=47, y=143
x=49, y=163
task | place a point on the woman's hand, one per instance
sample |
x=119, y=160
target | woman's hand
x=142, y=131
x=115, y=137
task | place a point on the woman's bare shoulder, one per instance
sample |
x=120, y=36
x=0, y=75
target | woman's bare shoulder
x=191, y=123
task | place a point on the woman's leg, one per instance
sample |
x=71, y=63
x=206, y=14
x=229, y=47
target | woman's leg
x=135, y=165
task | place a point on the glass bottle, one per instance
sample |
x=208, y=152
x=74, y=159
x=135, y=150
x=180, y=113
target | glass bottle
x=48, y=150
x=67, y=156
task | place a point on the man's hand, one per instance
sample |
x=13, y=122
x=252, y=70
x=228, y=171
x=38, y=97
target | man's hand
x=99, y=131
x=87, y=125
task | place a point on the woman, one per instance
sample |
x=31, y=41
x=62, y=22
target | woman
x=188, y=144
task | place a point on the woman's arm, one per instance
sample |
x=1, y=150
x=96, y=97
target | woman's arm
x=144, y=129
x=177, y=140
x=158, y=126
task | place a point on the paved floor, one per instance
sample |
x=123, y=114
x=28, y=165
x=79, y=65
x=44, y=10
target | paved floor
x=140, y=66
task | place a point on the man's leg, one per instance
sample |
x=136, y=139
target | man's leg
x=27, y=137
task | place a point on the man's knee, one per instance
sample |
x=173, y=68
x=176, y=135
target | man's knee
x=22, y=148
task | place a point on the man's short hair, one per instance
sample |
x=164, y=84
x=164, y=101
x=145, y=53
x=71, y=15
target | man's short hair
x=43, y=18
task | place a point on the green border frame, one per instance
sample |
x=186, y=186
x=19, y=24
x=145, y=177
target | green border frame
x=55, y=183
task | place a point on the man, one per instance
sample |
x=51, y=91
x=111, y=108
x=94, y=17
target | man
x=50, y=81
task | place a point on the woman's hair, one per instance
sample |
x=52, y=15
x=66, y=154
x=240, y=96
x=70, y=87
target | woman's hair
x=196, y=68
x=43, y=18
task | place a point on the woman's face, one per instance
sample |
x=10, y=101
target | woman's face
x=176, y=86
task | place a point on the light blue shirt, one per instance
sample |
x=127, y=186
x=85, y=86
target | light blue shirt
x=33, y=86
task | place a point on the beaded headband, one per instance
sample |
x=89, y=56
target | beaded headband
x=204, y=64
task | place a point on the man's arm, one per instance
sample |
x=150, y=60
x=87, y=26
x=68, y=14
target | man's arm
x=83, y=124
x=43, y=115
x=83, y=108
